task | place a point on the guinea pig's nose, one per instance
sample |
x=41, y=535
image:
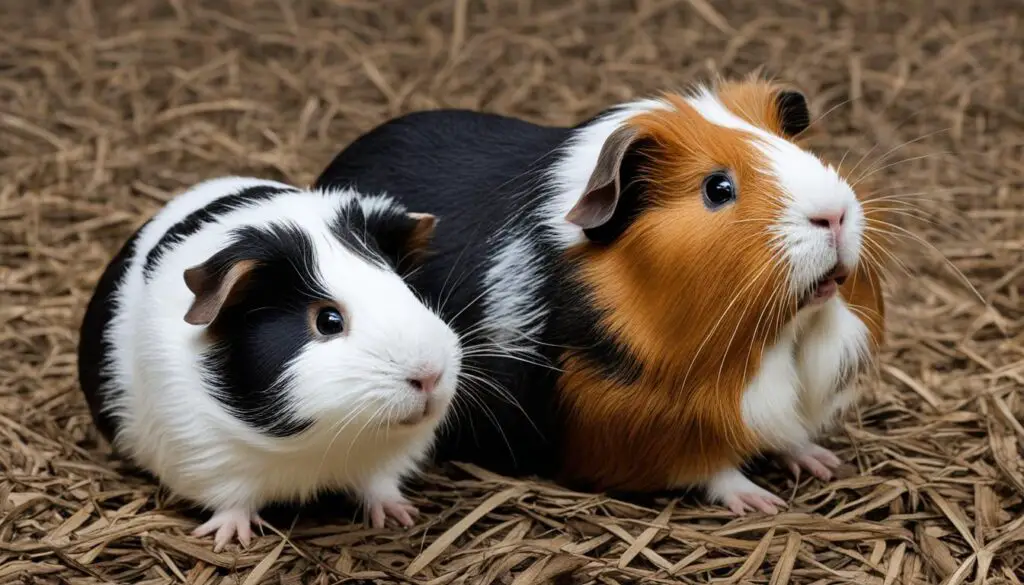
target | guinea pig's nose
x=832, y=221
x=425, y=382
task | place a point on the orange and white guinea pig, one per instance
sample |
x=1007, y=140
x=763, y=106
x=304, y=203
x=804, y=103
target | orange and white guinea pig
x=648, y=299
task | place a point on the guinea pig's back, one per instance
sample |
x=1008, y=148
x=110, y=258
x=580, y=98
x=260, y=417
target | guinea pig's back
x=473, y=170
x=451, y=161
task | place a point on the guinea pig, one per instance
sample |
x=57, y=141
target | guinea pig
x=256, y=343
x=648, y=299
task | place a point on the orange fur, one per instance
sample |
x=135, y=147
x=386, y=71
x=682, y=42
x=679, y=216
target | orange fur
x=666, y=284
x=754, y=102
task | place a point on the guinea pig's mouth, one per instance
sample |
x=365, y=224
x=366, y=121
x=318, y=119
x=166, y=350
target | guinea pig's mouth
x=416, y=418
x=826, y=287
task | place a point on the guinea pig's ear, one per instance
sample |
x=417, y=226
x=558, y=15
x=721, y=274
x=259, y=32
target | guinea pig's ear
x=405, y=238
x=418, y=238
x=215, y=289
x=794, y=115
x=601, y=197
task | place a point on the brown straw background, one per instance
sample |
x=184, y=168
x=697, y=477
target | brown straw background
x=109, y=108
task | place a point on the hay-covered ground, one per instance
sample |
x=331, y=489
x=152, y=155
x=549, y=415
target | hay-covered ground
x=108, y=108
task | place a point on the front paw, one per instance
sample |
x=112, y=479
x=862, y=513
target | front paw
x=816, y=460
x=399, y=509
x=226, y=525
x=733, y=490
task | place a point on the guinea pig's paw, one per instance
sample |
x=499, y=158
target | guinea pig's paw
x=817, y=460
x=736, y=492
x=226, y=524
x=761, y=500
x=399, y=509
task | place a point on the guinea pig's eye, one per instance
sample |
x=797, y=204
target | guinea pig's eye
x=329, y=321
x=718, y=189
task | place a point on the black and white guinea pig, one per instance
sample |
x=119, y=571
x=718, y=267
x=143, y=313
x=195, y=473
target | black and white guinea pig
x=256, y=343
x=650, y=298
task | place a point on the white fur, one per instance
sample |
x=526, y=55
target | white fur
x=802, y=386
x=799, y=389
x=737, y=492
x=354, y=386
x=514, y=311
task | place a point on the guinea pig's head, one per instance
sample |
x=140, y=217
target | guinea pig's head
x=708, y=220
x=310, y=323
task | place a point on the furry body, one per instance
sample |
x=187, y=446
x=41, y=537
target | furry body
x=626, y=333
x=255, y=404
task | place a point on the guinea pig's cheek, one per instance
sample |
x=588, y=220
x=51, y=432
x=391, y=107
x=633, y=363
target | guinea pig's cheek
x=852, y=241
x=849, y=254
x=442, y=399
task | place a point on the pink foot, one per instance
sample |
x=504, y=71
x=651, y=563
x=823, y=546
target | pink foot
x=732, y=489
x=227, y=524
x=402, y=511
x=818, y=461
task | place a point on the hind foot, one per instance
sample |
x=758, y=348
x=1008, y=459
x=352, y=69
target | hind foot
x=227, y=524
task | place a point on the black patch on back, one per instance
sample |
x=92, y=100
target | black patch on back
x=194, y=221
x=256, y=339
x=793, y=112
x=94, y=350
x=633, y=200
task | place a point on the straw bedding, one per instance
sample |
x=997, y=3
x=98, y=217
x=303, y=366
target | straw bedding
x=107, y=109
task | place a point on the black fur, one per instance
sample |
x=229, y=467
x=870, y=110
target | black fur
x=581, y=334
x=194, y=221
x=257, y=338
x=483, y=175
x=793, y=112
x=93, y=347
x=381, y=238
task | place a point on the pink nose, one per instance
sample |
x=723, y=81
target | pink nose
x=830, y=221
x=425, y=382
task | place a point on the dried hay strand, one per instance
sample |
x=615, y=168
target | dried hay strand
x=108, y=109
